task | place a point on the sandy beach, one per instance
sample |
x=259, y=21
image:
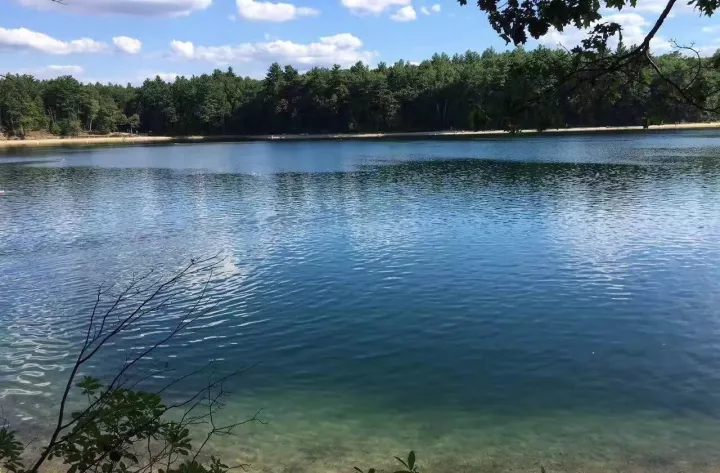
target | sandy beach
x=120, y=140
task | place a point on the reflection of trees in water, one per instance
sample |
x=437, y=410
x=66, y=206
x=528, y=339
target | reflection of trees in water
x=483, y=172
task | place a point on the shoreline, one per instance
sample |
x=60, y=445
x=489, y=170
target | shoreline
x=131, y=140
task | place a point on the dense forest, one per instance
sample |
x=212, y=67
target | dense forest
x=492, y=90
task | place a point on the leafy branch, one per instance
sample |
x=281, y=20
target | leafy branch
x=121, y=428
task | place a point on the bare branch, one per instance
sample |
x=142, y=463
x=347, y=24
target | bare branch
x=680, y=90
x=699, y=60
x=93, y=344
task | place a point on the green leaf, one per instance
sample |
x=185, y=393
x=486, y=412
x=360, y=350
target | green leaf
x=402, y=462
x=411, y=460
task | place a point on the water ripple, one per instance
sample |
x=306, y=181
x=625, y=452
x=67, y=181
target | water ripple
x=499, y=277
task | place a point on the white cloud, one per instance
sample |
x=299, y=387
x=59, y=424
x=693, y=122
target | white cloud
x=707, y=49
x=136, y=79
x=268, y=11
x=650, y=6
x=429, y=11
x=166, y=76
x=633, y=30
x=184, y=49
x=64, y=69
x=711, y=29
x=654, y=6
x=127, y=7
x=360, y=7
x=344, y=49
x=127, y=45
x=48, y=72
x=232, y=18
x=404, y=14
x=23, y=38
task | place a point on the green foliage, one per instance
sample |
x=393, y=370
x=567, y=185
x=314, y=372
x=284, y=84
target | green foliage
x=69, y=127
x=119, y=427
x=104, y=435
x=511, y=90
x=110, y=432
x=514, y=20
x=10, y=450
x=109, y=117
x=409, y=465
x=133, y=121
x=21, y=109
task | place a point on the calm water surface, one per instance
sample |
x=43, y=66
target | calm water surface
x=493, y=304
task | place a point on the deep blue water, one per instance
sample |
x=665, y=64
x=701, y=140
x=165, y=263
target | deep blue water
x=525, y=295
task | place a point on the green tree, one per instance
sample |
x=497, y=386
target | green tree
x=21, y=107
x=516, y=89
x=134, y=122
x=109, y=116
x=69, y=126
x=517, y=22
x=90, y=108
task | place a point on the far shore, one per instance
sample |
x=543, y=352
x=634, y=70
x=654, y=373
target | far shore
x=146, y=139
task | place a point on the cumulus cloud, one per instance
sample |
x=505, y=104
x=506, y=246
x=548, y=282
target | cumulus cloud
x=650, y=6
x=361, y=7
x=634, y=29
x=127, y=7
x=711, y=29
x=184, y=49
x=429, y=11
x=60, y=70
x=166, y=76
x=48, y=72
x=268, y=11
x=707, y=49
x=23, y=38
x=127, y=45
x=404, y=14
x=654, y=6
x=344, y=49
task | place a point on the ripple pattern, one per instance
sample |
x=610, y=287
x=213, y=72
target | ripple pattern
x=521, y=277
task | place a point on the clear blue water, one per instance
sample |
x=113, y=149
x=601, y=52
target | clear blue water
x=494, y=304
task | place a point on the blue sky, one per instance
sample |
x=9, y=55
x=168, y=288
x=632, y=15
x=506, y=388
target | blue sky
x=129, y=40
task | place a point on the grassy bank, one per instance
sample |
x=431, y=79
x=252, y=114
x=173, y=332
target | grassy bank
x=119, y=140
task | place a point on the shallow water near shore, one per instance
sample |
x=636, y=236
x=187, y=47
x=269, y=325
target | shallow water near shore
x=495, y=305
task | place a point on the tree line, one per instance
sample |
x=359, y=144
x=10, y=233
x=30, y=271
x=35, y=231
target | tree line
x=515, y=89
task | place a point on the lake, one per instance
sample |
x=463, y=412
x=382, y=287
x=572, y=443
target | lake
x=494, y=304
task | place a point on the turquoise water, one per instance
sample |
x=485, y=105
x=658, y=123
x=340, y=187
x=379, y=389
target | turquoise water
x=493, y=304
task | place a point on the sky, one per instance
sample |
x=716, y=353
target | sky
x=123, y=41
